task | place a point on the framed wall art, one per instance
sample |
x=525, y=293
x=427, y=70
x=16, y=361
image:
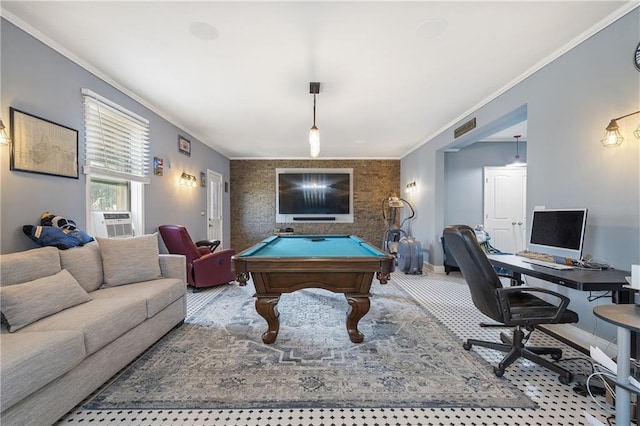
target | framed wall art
x=158, y=166
x=184, y=146
x=42, y=146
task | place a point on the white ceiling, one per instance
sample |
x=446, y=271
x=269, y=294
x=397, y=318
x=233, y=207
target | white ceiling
x=236, y=74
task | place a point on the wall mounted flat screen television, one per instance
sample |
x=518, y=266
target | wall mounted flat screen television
x=558, y=232
x=314, y=195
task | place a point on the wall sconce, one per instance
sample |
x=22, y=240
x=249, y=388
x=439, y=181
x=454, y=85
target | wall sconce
x=411, y=186
x=4, y=139
x=188, y=180
x=613, y=136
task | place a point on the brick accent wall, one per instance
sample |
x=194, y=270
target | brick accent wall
x=253, y=199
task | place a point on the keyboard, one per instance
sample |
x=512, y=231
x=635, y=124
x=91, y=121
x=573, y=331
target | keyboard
x=552, y=265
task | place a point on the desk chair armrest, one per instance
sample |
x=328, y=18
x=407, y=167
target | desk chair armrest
x=522, y=305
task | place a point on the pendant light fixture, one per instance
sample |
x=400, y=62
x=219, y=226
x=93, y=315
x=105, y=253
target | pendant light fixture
x=516, y=160
x=314, y=133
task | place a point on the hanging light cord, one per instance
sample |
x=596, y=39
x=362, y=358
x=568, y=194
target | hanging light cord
x=314, y=110
x=517, y=147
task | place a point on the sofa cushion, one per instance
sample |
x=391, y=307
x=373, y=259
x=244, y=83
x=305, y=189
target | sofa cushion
x=28, y=265
x=31, y=360
x=101, y=320
x=158, y=294
x=24, y=303
x=130, y=260
x=85, y=264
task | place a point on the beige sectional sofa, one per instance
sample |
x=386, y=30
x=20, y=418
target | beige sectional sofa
x=73, y=318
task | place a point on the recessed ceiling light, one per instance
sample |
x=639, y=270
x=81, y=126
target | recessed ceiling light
x=203, y=31
x=431, y=28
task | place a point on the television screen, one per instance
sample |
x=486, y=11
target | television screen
x=314, y=195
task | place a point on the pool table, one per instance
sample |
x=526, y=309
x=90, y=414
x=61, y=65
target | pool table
x=337, y=263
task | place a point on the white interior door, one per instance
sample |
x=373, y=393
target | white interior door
x=214, y=206
x=505, y=201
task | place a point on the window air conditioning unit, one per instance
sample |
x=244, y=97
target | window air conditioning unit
x=112, y=224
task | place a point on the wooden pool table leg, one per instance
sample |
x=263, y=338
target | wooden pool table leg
x=360, y=305
x=242, y=278
x=383, y=277
x=266, y=307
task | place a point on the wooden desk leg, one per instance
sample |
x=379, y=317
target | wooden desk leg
x=266, y=307
x=359, y=306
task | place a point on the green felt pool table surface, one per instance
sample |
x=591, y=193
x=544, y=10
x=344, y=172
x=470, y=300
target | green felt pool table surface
x=313, y=246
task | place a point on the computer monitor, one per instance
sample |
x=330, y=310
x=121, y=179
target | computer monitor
x=558, y=232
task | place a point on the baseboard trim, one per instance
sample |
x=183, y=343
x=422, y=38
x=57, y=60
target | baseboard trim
x=578, y=338
x=433, y=268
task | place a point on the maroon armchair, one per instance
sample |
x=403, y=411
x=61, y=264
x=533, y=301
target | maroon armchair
x=205, y=268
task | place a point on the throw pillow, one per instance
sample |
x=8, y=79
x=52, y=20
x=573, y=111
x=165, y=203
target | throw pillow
x=130, y=260
x=23, y=304
x=85, y=264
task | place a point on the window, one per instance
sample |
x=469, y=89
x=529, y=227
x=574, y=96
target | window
x=116, y=158
x=109, y=195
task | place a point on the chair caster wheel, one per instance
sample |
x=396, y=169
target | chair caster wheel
x=556, y=357
x=466, y=346
x=498, y=372
x=565, y=380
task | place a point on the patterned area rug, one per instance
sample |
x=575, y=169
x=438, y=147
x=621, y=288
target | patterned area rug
x=217, y=360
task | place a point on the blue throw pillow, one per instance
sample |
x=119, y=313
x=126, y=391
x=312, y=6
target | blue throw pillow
x=57, y=237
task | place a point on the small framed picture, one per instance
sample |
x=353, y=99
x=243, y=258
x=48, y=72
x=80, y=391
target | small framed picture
x=184, y=146
x=203, y=179
x=158, y=166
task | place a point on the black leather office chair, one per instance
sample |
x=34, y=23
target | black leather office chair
x=516, y=306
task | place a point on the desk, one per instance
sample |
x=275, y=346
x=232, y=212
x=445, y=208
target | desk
x=337, y=263
x=627, y=319
x=578, y=279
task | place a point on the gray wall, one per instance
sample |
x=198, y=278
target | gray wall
x=567, y=104
x=38, y=80
x=463, y=178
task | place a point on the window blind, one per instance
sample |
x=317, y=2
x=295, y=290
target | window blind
x=116, y=140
